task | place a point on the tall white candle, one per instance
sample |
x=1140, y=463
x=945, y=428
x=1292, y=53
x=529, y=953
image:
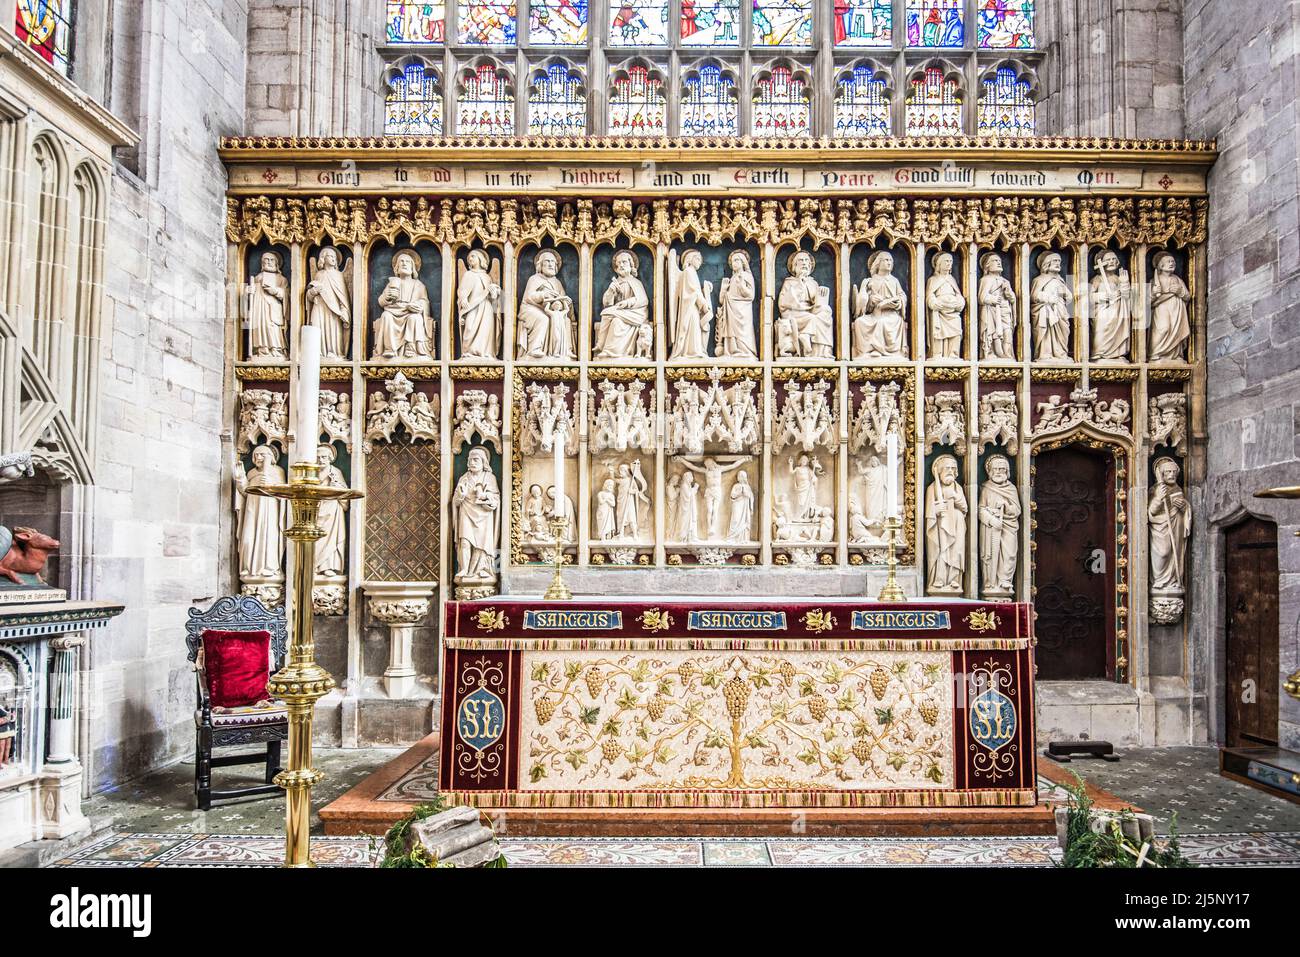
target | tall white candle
x=307, y=420
x=557, y=449
x=891, y=474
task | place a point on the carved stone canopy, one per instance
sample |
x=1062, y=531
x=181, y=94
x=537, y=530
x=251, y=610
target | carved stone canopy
x=403, y=406
x=477, y=413
x=945, y=420
x=877, y=414
x=1167, y=421
x=714, y=414
x=807, y=418
x=999, y=420
x=263, y=419
x=546, y=418
x=1084, y=408
x=622, y=419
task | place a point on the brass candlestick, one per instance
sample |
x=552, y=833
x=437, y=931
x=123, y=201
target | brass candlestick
x=558, y=591
x=892, y=590
x=301, y=682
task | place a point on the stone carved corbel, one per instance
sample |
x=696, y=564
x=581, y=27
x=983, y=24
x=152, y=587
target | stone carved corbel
x=263, y=419
x=417, y=412
x=807, y=418
x=401, y=606
x=998, y=420
x=477, y=413
x=1167, y=421
x=945, y=420
x=15, y=466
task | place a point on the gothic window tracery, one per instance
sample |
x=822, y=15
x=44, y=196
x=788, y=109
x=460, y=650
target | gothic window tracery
x=1006, y=104
x=709, y=106
x=782, y=104
x=413, y=104
x=557, y=103
x=862, y=103
x=486, y=105
x=933, y=103
x=636, y=103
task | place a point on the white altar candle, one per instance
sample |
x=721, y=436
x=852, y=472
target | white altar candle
x=307, y=420
x=557, y=449
x=891, y=476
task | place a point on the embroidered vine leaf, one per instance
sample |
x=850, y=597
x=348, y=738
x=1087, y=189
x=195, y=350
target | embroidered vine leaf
x=536, y=773
x=541, y=671
x=590, y=715
x=627, y=700
x=884, y=716
x=934, y=773
x=572, y=669
x=714, y=739
x=576, y=758
x=896, y=761
x=611, y=727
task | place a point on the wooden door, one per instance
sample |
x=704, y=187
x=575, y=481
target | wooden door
x=1250, y=562
x=1073, y=576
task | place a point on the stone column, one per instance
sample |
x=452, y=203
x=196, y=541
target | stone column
x=401, y=606
x=60, y=783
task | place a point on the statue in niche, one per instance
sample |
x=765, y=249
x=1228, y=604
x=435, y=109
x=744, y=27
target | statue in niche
x=734, y=332
x=997, y=310
x=807, y=472
x=630, y=494
x=1049, y=307
x=546, y=313
x=562, y=506
x=1112, y=308
x=1170, y=520
x=262, y=519
x=806, y=318
x=329, y=303
x=875, y=478
x=859, y=524
x=606, y=501
x=331, y=550
x=478, y=304
x=267, y=332
x=879, y=329
x=945, y=529
x=999, y=518
x=712, y=470
x=1170, y=326
x=534, y=517
x=625, y=314
x=944, y=300
x=475, y=516
x=690, y=304
x=405, y=328
x=683, y=509
x=740, y=528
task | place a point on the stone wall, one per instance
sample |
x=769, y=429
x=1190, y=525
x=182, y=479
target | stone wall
x=1241, y=88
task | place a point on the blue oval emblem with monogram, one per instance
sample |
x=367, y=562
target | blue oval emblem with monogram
x=481, y=719
x=993, y=719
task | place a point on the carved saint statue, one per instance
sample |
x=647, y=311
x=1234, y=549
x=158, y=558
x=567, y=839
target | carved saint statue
x=262, y=519
x=625, y=313
x=879, y=329
x=741, y=526
x=564, y=508
x=999, y=518
x=734, y=332
x=997, y=310
x=405, y=328
x=475, y=513
x=546, y=313
x=712, y=470
x=806, y=323
x=606, y=501
x=329, y=303
x=267, y=334
x=689, y=308
x=1170, y=327
x=534, y=518
x=630, y=495
x=684, y=512
x=875, y=476
x=1170, y=518
x=1049, y=306
x=331, y=551
x=478, y=305
x=944, y=300
x=945, y=529
x=807, y=471
x=1112, y=308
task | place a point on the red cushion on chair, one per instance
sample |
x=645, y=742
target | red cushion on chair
x=238, y=664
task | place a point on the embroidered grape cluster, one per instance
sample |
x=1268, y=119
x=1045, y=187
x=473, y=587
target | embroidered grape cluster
x=817, y=707
x=861, y=750
x=685, y=670
x=786, y=669
x=737, y=694
x=611, y=749
x=879, y=682
x=656, y=706
x=545, y=708
x=929, y=712
x=595, y=681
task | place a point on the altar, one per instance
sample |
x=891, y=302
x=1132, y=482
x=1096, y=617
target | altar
x=681, y=702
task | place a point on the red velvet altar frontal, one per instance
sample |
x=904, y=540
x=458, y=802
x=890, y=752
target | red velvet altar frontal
x=716, y=703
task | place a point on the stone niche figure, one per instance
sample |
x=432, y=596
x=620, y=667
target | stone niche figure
x=999, y=518
x=545, y=313
x=475, y=516
x=689, y=308
x=712, y=470
x=684, y=511
x=329, y=303
x=997, y=310
x=1170, y=326
x=1170, y=518
x=625, y=311
x=879, y=329
x=1112, y=308
x=734, y=332
x=267, y=332
x=945, y=303
x=630, y=495
x=405, y=327
x=1049, y=308
x=262, y=519
x=331, y=550
x=478, y=306
x=606, y=500
x=806, y=319
x=945, y=529
x=740, y=528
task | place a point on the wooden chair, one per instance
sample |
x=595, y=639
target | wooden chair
x=234, y=645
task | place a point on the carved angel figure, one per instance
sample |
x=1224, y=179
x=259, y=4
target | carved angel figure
x=404, y=328
x=478, y=305
x=329, y=302
x=689, y=307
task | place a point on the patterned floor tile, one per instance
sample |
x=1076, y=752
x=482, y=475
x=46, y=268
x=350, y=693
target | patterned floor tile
x=1214, y=849
x=915, y=852
x=736, y=854
x=214, y=850
x=593, y=852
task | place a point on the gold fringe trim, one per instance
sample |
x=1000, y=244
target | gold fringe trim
x=504, y=643
x=650, y=799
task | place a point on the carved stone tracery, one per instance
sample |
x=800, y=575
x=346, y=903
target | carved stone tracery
x=403, y=406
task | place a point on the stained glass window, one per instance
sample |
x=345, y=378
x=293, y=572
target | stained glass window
x=413, y=106
x=416, y=22
x=46, y=27
x=1005, y=24
x=636, y=105
x=487, y=22
x=709, y=105
x=486, y=106
x=638, y=24
x=935, y=23
x=710, y=23
x=933, y=105
x=861, y=104
x=1006, y=107
x=781, y=106
x=782, y=23
x=558, y=22
x=864, y=23
x=556, y=106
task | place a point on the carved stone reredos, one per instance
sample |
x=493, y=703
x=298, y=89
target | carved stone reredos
x=622, y=419
x=878, y=413
x=477, y=413
x=416, y=411
x=336, y=416
x=263, y=419
x=546, y=417
x=945, y=420
x=725, y=415
x=1055, y=416
x=807, y=418
x=999, y=420
x=1167, y=421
